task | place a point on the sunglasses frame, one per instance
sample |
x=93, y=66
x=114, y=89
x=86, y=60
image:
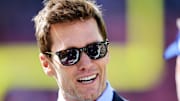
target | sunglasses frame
x=83, y=49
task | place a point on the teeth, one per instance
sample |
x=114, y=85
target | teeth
x=87, y=78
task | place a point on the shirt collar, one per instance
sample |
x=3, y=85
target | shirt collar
x=107, y=95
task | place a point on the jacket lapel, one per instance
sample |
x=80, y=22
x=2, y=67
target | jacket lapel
x=116, y=97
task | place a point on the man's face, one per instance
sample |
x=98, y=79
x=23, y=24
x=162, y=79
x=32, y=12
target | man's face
x=78, y=34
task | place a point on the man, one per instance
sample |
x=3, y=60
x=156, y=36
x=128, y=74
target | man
x=174, y=51
x=74, y=49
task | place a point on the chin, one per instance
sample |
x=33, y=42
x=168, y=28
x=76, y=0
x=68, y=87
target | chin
x=89, y=97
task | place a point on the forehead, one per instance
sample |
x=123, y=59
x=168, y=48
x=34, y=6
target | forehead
x=74, y=34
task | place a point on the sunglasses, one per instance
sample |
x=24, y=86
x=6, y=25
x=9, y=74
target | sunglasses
x=72, y=56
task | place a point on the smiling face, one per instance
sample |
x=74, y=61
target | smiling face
x=86, y=79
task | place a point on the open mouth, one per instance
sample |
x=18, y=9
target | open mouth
x=87, y=79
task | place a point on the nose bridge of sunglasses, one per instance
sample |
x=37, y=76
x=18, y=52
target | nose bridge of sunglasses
x=83, y=49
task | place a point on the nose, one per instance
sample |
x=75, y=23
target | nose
x=84, y=62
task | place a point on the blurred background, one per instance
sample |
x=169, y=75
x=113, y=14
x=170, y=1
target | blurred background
x=139, y=31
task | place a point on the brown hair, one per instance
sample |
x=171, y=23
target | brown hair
x=63, y=11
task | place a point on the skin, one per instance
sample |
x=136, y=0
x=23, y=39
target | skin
x=177, y=75
x=76, y=34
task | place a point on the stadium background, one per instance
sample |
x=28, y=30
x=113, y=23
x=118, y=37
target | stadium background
x=139, y=31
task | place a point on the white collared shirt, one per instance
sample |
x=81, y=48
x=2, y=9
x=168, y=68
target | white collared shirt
x=107, y=95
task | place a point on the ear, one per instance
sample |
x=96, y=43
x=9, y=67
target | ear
x=46, y=65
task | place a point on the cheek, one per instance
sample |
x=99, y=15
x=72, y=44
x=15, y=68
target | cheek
x=103, y=61
x=107, y=58
x=102, y=64
x=64, y=80
x=65, y=75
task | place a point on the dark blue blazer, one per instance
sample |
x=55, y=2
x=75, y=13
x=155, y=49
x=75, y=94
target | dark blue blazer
x=116, y=97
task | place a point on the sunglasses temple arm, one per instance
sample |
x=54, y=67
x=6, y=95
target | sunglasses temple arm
x=49, y=53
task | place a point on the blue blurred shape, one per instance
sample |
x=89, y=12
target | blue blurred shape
x=173, y=49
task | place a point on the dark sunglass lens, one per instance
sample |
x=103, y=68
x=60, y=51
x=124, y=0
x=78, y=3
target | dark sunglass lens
x=103, y=50
x=96, y=50
x=69, y=57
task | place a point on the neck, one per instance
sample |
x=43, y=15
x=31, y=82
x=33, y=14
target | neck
x=62, y=96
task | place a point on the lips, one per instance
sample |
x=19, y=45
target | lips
x=87, y=79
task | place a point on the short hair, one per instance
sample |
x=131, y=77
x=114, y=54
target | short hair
x=64, y=11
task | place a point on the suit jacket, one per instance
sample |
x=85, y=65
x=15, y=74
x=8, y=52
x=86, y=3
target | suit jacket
x=116, y=97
